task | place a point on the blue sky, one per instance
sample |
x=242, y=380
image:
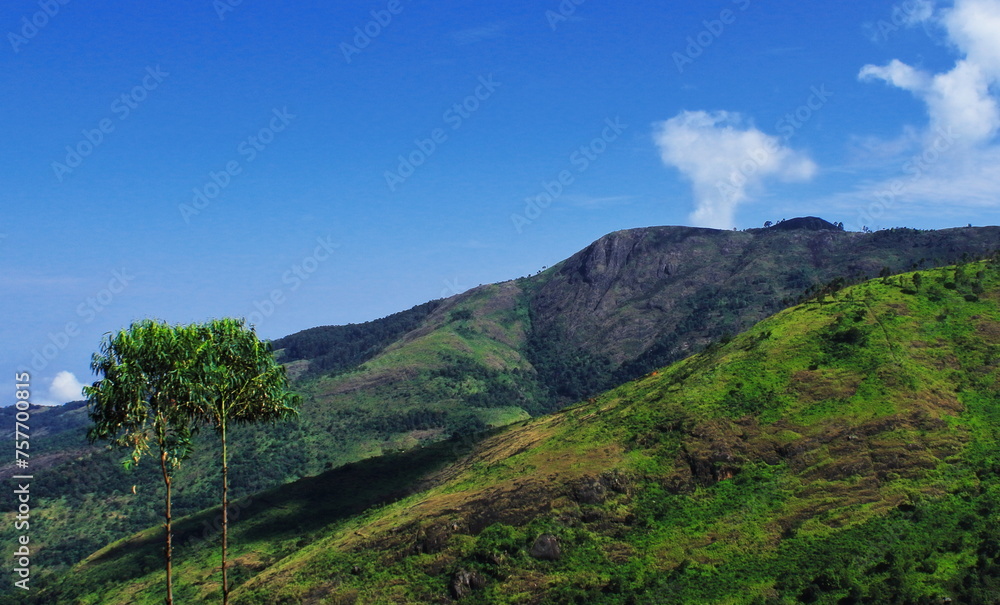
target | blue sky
x=192, y=159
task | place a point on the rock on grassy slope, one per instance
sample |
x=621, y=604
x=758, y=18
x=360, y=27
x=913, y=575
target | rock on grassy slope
x=842, y=451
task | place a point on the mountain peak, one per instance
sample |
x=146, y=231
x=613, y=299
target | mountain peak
x=807, y=223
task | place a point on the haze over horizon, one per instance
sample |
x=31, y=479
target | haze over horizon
x=317, y=164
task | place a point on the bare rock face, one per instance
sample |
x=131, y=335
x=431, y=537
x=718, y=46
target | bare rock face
x=616, y=482
x=464, y=582
x=589, y=491
x=546, y=548
x=432, y=539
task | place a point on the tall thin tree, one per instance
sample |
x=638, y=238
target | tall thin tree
x=240, y=383
x=141, y=403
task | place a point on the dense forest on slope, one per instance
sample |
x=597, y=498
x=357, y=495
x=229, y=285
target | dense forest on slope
x=334, y=349
x=842, y=451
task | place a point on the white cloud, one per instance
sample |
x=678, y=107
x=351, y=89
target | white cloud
x=65, y=388
x=951, y=164
x=726, y=161
x=918, y=12
x=973, y=27
x=960, y=101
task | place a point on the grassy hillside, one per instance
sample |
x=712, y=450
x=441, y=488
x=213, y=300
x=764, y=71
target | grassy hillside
x=843, y=451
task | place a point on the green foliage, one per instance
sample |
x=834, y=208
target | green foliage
x=461, y=315
x=141, y=396
x=487, y=387
x=144, y=397
x=335, y=349
x=570, y=373
x=237, y=381
x=237, y=378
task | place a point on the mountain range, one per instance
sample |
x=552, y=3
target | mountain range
x=741, y=447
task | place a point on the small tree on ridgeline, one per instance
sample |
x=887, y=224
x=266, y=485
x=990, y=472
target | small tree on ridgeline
x=240, y=382
x=141, y=403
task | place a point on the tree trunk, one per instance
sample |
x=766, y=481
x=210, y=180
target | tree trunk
x=225, y=516
x=170, y=546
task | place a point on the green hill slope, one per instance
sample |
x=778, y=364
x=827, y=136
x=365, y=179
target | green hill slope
x=843, y=451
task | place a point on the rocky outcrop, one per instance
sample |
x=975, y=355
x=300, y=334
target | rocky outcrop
x=546, y=548
x=464, y=582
